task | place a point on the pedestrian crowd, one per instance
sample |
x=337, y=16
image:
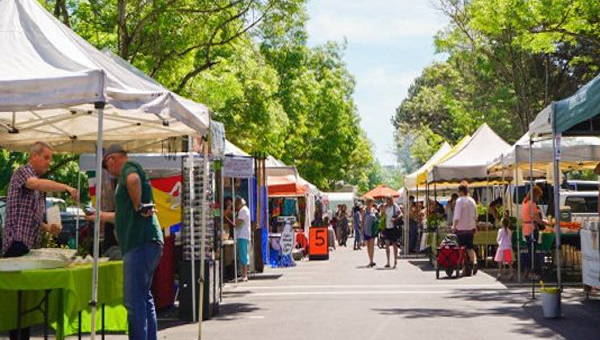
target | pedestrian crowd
x=382, y=225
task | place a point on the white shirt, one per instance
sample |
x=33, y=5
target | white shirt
x=389, y=215
x=465, y=213
x=504, y=239
x=244, y=230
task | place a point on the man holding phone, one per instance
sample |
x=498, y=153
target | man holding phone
x=140, y=239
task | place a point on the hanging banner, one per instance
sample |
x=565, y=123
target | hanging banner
x=238, y=167
x=166, y=192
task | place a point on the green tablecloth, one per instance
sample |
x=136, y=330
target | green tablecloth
x=71, y=292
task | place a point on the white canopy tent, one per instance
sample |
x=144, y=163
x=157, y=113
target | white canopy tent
x=56, y=87
x=471, y=162
x=410, y=181
x=576, y=152
x=51, y=79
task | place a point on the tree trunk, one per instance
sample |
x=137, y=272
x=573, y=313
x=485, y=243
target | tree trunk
x=123, y=36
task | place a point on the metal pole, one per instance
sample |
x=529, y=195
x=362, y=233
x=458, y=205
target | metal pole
x=206, y=166
x=407, y=208
x=235, y=257
x=557, y=173
x=531, y=237
x=222, y=220
x=78, y=210
x=192, y=224
x=519, y=234
x=99, y=106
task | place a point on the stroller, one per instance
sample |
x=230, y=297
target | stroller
x=450, y=257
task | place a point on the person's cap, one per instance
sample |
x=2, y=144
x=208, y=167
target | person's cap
x=112, y=150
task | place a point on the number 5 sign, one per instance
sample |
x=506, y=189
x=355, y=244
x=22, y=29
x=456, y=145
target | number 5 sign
x=319, y=249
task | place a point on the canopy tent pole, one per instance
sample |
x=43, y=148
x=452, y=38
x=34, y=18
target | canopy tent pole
x=222, y=221
x=257, y=171
x=405, y=230
x=99, y=106
x=531, y=217
x=487, y=218
x=192, y=224
x=266, y=203
x=206, y=165
x=235, y=256
x=556, y=169
x=78, y=210
x=519, y=233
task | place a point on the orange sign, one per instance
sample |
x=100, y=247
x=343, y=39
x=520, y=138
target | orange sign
x=319, y=249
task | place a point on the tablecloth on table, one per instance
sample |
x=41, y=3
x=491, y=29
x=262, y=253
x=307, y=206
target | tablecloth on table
x=71, y=291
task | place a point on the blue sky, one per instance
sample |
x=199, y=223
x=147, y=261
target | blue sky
x=389, y=42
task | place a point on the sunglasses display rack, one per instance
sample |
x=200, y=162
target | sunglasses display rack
x=193, y=222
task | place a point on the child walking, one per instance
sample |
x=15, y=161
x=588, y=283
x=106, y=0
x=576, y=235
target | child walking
x=504, y=252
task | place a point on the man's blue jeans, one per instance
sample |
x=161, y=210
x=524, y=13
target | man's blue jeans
x=138, y=267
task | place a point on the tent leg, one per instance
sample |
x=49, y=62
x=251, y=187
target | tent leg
x=222, y=257
x=557, y=173
x=531, y=218
x=205, y=164
x=192, y=224
x=78, y=209
x=99, y=106
x=235, y=258
x=519, y=233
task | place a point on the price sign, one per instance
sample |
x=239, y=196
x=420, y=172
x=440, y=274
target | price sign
x=287, y=240
x=318, y=245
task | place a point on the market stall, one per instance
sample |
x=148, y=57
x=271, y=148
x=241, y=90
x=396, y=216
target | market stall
x=470, y=164
x=75, y=98
x=578, y=115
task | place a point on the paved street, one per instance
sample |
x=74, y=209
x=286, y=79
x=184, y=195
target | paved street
x=342, y=299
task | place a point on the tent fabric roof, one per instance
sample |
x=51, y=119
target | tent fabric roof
x=572, y=114
x=52, y=77
x=581, y=106
x=381, y=191
x=410, y=181
x=471, y=162
x=575, y=152
x=285, y=186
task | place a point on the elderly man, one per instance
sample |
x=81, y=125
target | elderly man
x=25, y=208
x=140, y=239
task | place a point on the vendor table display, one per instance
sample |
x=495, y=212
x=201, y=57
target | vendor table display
x=70, y=291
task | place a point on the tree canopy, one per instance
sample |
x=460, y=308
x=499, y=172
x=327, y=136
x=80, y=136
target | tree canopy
x=506, y=60
x=247, y=60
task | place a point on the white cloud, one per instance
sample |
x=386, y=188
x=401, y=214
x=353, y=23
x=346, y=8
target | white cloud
x=372, y=21
x=389, y=42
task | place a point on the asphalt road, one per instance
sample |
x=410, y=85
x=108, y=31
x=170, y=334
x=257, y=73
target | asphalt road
x=342, y=299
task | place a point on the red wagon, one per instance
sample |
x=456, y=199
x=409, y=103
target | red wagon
x=450, y=257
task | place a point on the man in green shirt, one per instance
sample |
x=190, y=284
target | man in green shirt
x=139, y=237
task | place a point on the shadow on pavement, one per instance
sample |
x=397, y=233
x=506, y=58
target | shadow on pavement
x=234, y=311
x=579, y=321
x=424, y=265
x=261, y=277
